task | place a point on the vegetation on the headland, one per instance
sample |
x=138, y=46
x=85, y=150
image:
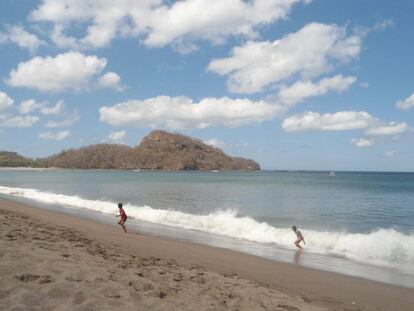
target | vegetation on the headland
x=159, y=150
x=13, y=159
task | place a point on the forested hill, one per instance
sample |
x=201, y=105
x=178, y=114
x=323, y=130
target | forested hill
x=159, y=150
x=12, y=159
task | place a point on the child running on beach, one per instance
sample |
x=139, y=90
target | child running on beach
x=299, y=236
x=123, y=216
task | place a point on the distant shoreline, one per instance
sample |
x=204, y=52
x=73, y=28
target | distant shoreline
x=24, y=168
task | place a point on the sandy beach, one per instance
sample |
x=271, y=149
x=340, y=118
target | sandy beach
x=52, y=261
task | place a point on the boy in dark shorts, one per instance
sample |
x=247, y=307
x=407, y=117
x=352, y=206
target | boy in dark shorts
x=123, y=216
x=299, y=237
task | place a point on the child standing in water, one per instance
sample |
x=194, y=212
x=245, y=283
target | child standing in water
x=123, y=216
x=299, y=236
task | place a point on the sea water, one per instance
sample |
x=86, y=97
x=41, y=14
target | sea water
x=356, y=223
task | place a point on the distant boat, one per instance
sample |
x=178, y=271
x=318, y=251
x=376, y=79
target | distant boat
x=214, y=171
x=332, y=173
x=137, y=170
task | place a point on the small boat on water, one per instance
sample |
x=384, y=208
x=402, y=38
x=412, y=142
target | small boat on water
x=332, y=173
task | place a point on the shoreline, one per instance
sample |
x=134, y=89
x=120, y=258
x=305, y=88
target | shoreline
x=325, y=289
x=54, y=168
x=29, y=168
x=193, y=228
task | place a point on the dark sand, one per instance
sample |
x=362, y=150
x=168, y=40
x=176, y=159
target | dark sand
x=52, y=261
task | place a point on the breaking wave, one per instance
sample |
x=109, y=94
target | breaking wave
x=384, y=247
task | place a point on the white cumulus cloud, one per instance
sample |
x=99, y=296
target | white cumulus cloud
x=362, y=142
x=343, y=121
x=18, y=121
x=117, y=136
x=392, y=128
x=213, y=20
x=313, y=50
x=158, y=22
x=110, y=80
x=214, y=142
x=406, y=104
x=101, y=20
x=56, y=109
x=29, y=105
x=303, y=89
x=10, y=120
x=24, y=39
x=5, y=101
x=339, y=121
x=69, y=120
x=54, y=136
x=182, y=112
x=71, y=70
x=44, y=108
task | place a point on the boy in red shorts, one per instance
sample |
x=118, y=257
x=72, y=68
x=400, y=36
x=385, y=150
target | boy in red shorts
x=123, y=216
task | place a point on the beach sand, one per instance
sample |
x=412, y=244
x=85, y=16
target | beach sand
x=52, y=261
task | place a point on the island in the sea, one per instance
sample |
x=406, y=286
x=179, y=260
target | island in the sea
x=159, y=150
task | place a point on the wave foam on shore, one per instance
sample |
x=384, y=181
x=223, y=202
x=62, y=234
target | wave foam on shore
x=383, y=247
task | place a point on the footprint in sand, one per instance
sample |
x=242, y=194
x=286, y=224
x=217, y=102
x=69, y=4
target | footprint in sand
x=27, y=277
x=44, y=279
x=287, y=307
x=75, y=277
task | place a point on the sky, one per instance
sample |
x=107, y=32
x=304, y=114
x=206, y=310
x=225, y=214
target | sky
x=292, y=84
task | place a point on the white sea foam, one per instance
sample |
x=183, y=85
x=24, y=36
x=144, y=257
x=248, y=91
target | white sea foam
x=385, y=247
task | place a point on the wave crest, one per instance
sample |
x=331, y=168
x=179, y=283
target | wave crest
x=385, y=247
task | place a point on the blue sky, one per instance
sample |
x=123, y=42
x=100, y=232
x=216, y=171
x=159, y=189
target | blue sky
x=292, y=84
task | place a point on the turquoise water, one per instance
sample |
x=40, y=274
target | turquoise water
x=358, y=217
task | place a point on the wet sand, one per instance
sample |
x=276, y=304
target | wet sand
x=52, y=261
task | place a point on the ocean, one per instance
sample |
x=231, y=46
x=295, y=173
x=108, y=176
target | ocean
x=354, y=223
